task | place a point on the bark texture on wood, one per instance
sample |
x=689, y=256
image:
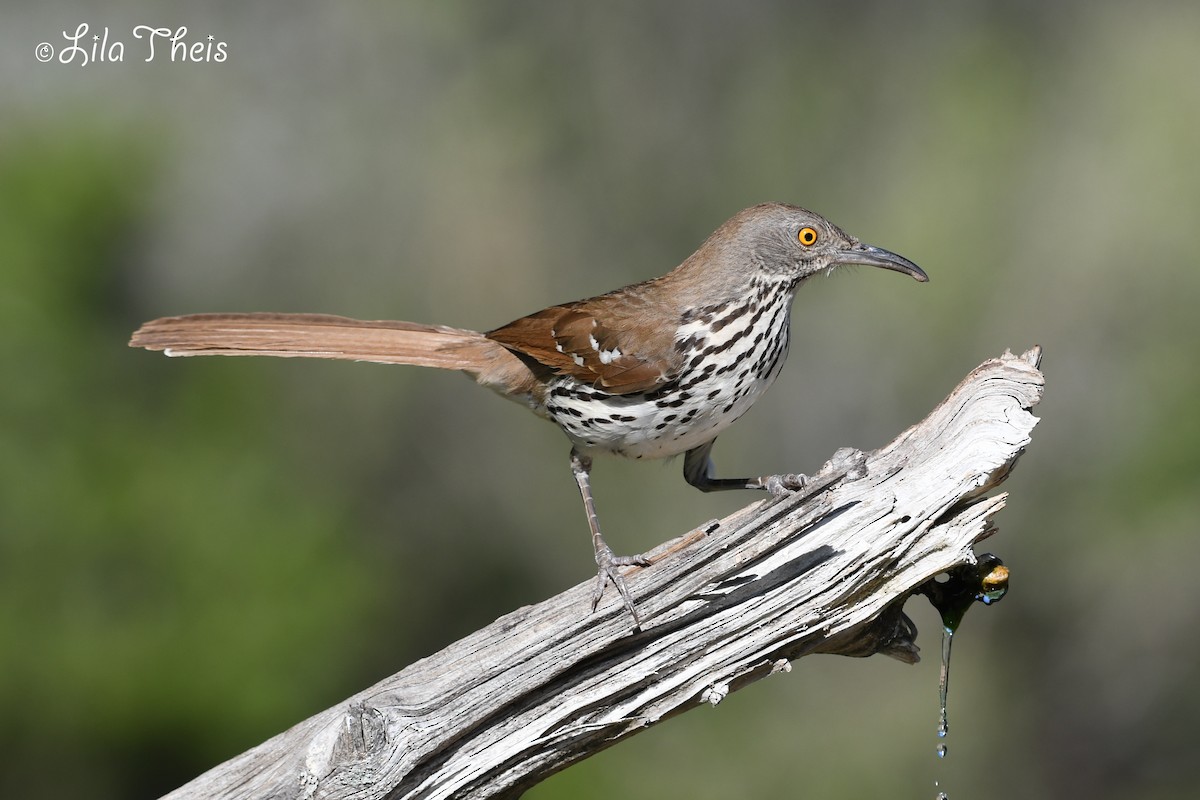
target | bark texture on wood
x=826, y=570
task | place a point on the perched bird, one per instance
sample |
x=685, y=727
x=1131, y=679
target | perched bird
x=652, y=370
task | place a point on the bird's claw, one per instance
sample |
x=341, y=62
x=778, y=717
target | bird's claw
x=608, y=563
x=847, y=463
x=781, y=485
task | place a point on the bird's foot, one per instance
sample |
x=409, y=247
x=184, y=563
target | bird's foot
x=846, y=464
x=608, y=563
x=780, y=485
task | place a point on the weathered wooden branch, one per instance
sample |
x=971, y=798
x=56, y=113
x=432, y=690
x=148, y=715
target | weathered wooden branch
x=824, y=570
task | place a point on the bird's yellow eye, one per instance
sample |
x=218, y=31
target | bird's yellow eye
x=807, y=236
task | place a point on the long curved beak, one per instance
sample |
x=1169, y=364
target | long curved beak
x=878, y=257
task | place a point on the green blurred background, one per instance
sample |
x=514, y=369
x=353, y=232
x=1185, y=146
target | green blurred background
x=195, y=555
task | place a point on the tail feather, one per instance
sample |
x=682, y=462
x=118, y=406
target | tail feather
x=328, y=336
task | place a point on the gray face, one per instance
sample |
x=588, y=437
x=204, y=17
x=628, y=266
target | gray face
x=802, y=243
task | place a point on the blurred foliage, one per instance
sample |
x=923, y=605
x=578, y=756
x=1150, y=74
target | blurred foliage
x=126, y=514
x=196, y=554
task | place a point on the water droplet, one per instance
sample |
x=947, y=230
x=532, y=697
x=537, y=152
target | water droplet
x=993, y=596
x=994, y=584
x=944, y=682
x=943, y=728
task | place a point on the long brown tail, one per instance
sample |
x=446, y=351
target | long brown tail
x=328, y=336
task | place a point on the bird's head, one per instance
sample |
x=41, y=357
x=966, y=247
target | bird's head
x=795, y=243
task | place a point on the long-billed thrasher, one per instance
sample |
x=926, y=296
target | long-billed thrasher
x=652, y=370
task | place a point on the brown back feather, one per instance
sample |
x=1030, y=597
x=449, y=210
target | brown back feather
x=592, y=341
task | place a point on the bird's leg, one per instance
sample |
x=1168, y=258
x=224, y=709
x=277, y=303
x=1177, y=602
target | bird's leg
x=606, y=561
x=698, y=467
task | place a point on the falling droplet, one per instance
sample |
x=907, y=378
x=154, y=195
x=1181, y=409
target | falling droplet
x=944, y=681
x=944, y=676
x=943, y=728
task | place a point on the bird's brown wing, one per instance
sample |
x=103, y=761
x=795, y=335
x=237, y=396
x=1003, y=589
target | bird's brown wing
x=592, y=347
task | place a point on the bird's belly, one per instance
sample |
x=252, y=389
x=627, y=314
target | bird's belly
x=656, y=424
